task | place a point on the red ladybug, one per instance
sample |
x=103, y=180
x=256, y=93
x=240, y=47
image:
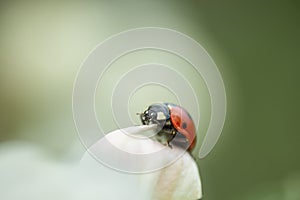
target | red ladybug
x=175, y=123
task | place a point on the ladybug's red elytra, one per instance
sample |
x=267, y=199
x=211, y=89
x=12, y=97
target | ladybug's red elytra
x=175, y=123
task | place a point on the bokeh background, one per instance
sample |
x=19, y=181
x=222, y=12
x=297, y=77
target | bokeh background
x=255, y=44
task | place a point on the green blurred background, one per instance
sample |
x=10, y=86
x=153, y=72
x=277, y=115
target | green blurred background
x=255, y=44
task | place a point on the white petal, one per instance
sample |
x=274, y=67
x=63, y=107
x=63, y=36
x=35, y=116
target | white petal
x=27, y=173
x=179, y=180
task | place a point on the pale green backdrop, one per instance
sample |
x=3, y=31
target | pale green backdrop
x=255, y=44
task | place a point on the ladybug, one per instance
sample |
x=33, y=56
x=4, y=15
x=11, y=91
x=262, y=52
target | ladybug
x=175, y=124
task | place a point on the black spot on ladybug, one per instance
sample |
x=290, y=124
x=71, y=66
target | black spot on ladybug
x=184, y=125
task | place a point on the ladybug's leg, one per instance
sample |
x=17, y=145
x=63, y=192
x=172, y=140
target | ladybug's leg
x=163, y=138
x=166, y=135
x=180, y=141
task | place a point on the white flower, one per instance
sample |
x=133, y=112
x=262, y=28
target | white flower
x=179, y=180
x=27, y=173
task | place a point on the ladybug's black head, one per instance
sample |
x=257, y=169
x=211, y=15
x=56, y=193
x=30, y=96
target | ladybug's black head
x=155, y=114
